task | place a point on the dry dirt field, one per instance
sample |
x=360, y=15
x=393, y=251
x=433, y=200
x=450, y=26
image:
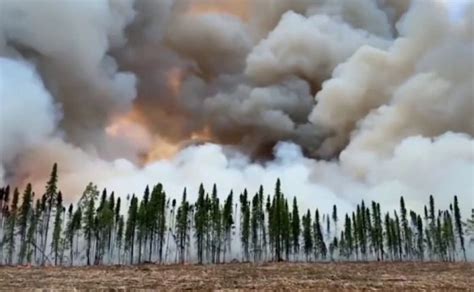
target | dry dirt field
x=275, y=276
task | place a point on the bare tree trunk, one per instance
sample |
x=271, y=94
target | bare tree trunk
x=45, y=240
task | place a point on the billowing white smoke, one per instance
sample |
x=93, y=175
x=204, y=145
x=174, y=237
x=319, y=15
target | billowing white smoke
x=381, y=89
x=306, y=47
x=69, y=43
x=28, y=115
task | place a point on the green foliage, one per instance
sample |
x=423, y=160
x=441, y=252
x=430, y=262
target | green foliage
x=9, y=233
x=131, y=226
x=295, y=227
x=183, y=226
x=87, y=203
x=459, y=228
x=307, y=235
x=56, y=242
x=245, y=225
x=228, y=223
x=96, y=231
x=25, y=212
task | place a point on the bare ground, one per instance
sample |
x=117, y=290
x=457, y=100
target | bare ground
x=273, y=276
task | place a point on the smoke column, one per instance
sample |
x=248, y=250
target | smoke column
x=342, y=99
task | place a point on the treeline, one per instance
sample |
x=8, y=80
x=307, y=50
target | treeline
x=158, y=229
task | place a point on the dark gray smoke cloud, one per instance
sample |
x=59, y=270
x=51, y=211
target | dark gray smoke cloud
x=368, y=85
x=69, y=41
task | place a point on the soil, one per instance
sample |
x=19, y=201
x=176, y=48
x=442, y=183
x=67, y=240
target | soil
x=272, y=276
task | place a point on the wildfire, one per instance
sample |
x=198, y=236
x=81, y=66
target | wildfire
x=238, y=8
x=130, y=127
x=174, y=79
x=202, y=135
x=125, y=125
x=161, y=149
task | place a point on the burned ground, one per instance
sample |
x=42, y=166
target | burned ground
x=274, y=276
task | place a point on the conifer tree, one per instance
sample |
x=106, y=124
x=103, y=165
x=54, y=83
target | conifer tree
x=157, y=220
x=49, y=199
x=375, y=233
x=4, y=212
x=277, y=213
x=216, y=226
x=405, y=229
x=228, y=223
x=380, y=233
x=117, y=209
x=112, y=222
x=245, y=224
x=449, y=238
x=132, y=222
x=458, y=224
x=9, y=235
x=296, y=227
x=2, y=192
x=268, y=209
x=207, y=226
x=104, y=226
x=69, y=235
x=119, y=237
x=320, y=246
x=4, y=207
x=200, y=216
x=31, y=232
x=348, y=237
x=307, y=235
x=335, y=218
x=142, y=223
x=254, y=228
x=164, y=203
x=369, y=230
x=23, y=220
x=153, y=214
x=420, y=238
x=34, y=231
x=432, y=227
x=342, y=245
x=327, y=219
x=333, y=245
x=118, y=217
x=87, y=203
x=388, y=234
x=438, y=236
x=55, y=243
x=183, y=226
x=398, y=236
x=362, y=223
x=355, y=235
x=427, y=232
x=286, y=229
x=261, y=221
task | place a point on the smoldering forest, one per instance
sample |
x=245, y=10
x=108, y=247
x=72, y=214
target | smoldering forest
x=341, y=100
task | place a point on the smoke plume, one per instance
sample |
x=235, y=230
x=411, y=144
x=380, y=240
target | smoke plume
x=343, y=100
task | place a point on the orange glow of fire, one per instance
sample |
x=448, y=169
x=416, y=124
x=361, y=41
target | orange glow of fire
x=124, y=124
x=130, y=126
x=161, y=149
x=237, y=8
x=202, y=135
x=175, y=78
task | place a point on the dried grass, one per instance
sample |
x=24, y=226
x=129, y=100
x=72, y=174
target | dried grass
x=273, y=276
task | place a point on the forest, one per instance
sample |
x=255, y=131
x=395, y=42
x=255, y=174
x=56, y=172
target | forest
x=104, y=229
